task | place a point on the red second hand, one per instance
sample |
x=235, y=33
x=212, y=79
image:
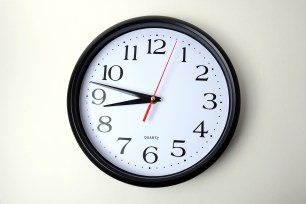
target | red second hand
x=153, y=97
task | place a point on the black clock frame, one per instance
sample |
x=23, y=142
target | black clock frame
x=152, y=22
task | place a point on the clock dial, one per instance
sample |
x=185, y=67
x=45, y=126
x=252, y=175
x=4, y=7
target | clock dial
x=155, y=105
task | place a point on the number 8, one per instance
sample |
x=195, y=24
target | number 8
x=107, y=123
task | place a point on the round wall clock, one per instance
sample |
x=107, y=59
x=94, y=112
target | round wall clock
x=153, y=101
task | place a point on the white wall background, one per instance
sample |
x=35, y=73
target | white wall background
x=40, y=42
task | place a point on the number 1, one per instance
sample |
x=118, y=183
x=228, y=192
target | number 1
x=184, y=54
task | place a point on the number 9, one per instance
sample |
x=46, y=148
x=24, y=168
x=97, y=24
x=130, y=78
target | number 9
x=98, y=97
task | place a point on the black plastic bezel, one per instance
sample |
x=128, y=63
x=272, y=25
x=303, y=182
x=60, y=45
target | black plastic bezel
x=152, y=22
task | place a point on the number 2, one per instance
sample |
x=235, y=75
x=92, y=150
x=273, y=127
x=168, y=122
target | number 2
x=201, y=76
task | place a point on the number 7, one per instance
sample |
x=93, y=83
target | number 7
x=124, y=138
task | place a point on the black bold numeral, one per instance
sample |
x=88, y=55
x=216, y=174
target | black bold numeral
x=105, y=124
x=109, y=73
x=127, y=52
x=157, y=50
x=212, y=100
x=147, y=154
x=100, y=96
x=124, y=138
x=183, y=151
x=184, y=54
x=201, y=127
x=201, y=76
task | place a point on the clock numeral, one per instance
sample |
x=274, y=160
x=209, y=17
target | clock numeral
x=212, y=100
x=124, y=138
x=99, y=95
x=183, y=151
x=127, y=52
x=184, y=54
x=158, y=50
x=201, y=76
x=110, y=73
x=201, y=127
x=105, y=126
x=152, y=156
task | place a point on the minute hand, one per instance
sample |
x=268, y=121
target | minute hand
x=142, y=98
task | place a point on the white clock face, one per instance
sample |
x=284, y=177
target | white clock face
x=179, y=130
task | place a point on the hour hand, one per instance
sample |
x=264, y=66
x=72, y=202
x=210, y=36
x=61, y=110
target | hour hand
x=130, y=102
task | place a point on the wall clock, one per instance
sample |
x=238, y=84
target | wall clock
x=153, y=101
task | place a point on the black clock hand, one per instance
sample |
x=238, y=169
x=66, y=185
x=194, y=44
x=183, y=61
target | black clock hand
x=142, y=98
x=130, y=102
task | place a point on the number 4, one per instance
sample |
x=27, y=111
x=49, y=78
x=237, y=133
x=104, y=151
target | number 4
x=202, y=131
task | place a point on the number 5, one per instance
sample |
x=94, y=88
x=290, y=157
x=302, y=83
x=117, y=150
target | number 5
x=181, y=148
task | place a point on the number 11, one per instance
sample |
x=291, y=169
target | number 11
x=127, y=52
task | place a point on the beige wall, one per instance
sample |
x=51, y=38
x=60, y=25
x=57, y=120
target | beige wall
x=40, y=161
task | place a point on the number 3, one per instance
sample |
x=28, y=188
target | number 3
x=214, y=103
